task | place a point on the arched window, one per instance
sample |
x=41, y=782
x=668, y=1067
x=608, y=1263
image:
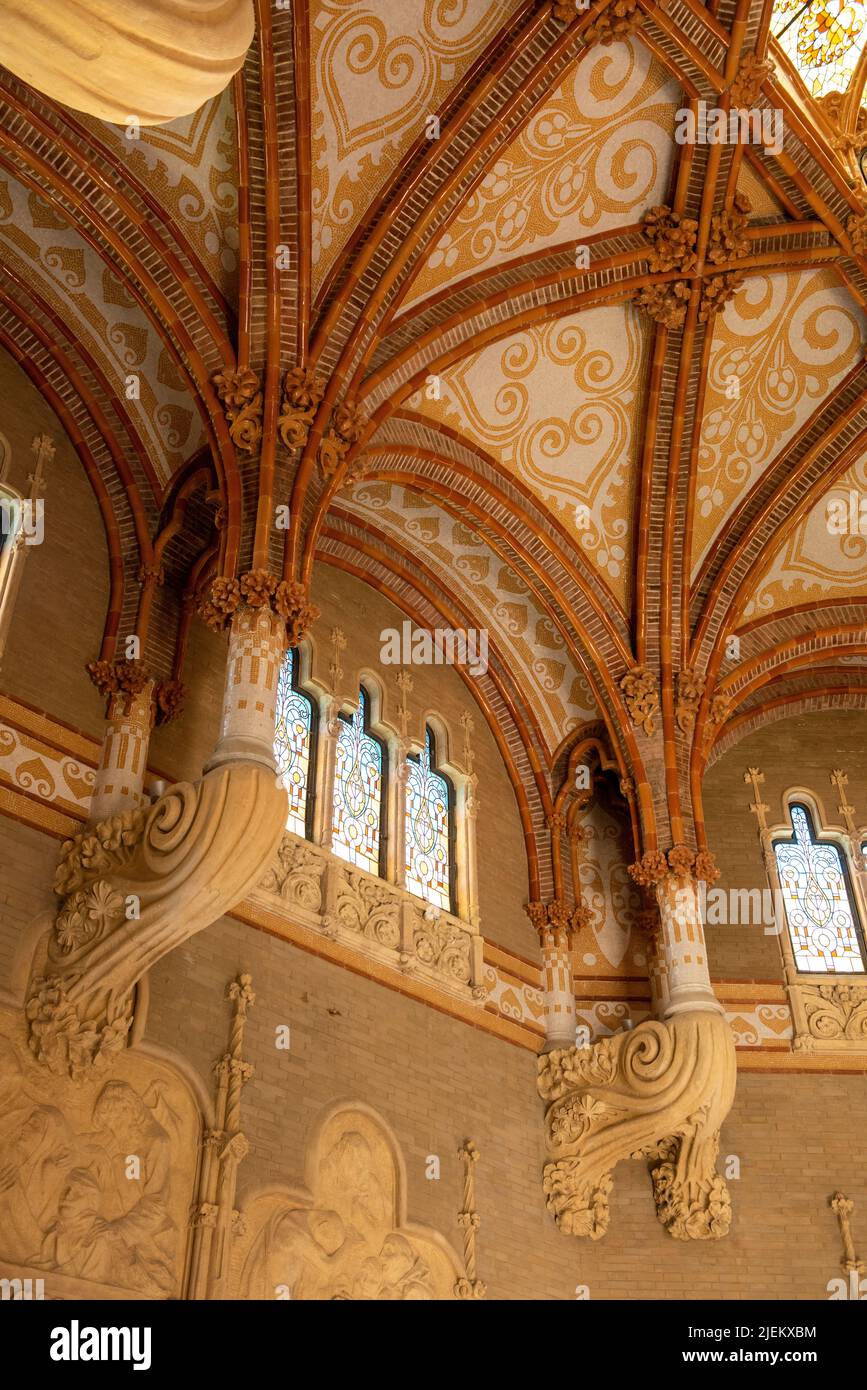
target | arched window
x=820, y=910
x=359, y=786
x=294, y=734
x=429, y=829
x=11, y=554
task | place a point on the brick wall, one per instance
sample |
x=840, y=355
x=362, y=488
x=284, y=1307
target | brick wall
x=437, y=1082
x=799, y=752
x=61, y=606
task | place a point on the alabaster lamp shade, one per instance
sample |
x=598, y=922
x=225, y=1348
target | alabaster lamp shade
x=149, y=59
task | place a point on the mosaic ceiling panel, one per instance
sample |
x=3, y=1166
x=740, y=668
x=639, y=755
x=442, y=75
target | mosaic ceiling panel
x=378, y=71
x=779, y=347
x=496, y=596
x=558, y=406
x=593, y=157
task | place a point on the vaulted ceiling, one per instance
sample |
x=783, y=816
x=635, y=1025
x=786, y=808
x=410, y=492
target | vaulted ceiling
x=607, y=460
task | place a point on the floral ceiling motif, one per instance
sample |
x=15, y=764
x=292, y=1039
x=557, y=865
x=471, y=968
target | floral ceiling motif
x=379, y=70
x=779, y=347
x=558, y=406
x=191, y=165
x=824, y=557
x=593, y=157
x=44, y=249
x=493, y=593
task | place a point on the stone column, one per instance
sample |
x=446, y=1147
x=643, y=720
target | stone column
x=257, y=641
x=683, y=944
x=119, y=784
x=553, y=924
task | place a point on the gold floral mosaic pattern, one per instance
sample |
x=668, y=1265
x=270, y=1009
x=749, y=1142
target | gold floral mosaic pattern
x=825, y=556
x=494, y=594
x=379, y=70
x=42, y=247
x=778, y=348
x=593, y=157
x=559, y=406
x=191, y=166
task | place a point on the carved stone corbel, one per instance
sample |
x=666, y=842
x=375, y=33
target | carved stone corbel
x=135, y=885
x=660, y=1091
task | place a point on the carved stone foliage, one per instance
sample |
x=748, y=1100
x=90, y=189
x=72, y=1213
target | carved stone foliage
x=368, y=907
x=131, y=888
x=833, y=1012
x=240, y=393
x=347, y=426
x=297, y=875
x=665, y=304
x=689, y=693
x=673, y=239
x=375, y=917
x=259, y=589
x=728, y=240
x=641, y=693
x=442, y=945
x=346, y=1236
x=659, y=1091
x=716, y=292
x=70, y=1211
x=302, y=392
x=683, y=862
x=616, y=22
x=747, y=84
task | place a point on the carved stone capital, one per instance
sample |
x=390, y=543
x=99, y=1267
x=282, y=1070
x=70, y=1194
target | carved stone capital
x=662, y=1090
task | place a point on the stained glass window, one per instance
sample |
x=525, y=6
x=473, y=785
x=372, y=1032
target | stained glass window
x=823, y=39
x=358, y=791
x=293, y=736
x=428, y=826
x=819, y=907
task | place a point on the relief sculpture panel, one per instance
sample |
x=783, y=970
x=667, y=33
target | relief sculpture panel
x=95, y=1178
x=347, y=1236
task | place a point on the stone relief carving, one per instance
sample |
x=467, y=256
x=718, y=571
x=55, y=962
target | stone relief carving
x=347, y=1237
x=132, y=887
x=297, y=875
x=832, y=1012
x=375, y=917
x=659, y=1091
x=365, y=906
x=95, y=1178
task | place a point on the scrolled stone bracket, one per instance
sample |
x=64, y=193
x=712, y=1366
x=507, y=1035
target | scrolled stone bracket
x=661, y=1090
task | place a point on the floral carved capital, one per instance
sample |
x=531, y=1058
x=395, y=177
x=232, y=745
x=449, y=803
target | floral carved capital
x=641, y=692
x=124, y=678
x=347, y=426
x=303, y=391
x=240, y=394
x=661, y=1090
x=259, y=588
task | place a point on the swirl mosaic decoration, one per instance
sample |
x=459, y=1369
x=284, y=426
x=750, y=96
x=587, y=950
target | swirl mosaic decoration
x=557, y=406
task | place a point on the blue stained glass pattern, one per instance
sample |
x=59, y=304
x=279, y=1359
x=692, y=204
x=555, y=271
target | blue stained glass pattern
x=292, y=745
x=356, y=825
x=427, y=830
x=819, y=910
